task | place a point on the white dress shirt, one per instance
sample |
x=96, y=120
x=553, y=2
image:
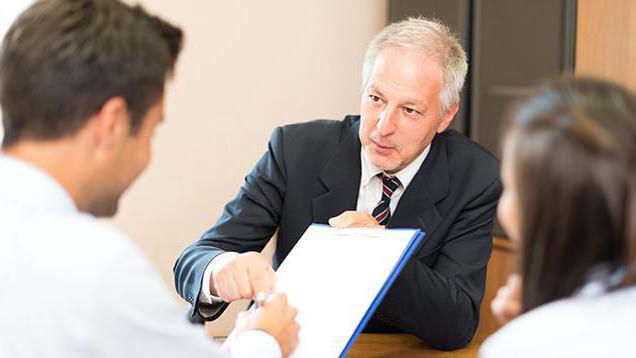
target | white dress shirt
x=369, y=196
x=74, y=286
x=590, y=324
x=370, y=192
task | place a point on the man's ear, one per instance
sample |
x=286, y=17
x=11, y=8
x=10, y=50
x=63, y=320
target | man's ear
x=111, y=123
x=448, y=117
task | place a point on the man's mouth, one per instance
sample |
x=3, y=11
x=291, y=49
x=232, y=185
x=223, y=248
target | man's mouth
x=382, y=147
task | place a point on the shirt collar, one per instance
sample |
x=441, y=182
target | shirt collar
x=22, y=185
x=369, y=170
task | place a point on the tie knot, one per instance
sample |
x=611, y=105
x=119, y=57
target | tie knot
x=390, y=182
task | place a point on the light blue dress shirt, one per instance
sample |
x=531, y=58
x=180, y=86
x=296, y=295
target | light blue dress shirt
x=74, y=286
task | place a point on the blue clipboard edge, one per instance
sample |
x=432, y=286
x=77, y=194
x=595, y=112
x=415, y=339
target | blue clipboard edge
x=410, y=249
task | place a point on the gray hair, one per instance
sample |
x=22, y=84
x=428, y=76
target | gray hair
x=434, y=39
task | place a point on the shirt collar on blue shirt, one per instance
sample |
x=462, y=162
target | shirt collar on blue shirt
x=25, y=186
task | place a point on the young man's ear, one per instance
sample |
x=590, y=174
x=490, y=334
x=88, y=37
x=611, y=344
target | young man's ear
x=448, y=117
x=111, y=123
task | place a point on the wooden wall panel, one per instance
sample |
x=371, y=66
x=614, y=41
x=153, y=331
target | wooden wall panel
x=503, y=262
x=606, y=40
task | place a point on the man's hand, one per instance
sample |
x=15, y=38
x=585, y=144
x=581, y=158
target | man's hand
x=276, y=317
x=352, y=219
x=243, y=276
x=507, y=304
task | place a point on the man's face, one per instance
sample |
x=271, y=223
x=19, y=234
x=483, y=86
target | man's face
x=400, y=108
x=128, y=160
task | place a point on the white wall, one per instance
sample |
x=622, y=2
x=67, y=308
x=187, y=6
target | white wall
x=247, y=67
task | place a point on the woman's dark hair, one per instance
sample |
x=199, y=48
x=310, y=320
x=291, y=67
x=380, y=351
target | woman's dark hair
x=574, y=155
x=61, y=60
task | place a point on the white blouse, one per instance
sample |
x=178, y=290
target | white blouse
x=590, y=324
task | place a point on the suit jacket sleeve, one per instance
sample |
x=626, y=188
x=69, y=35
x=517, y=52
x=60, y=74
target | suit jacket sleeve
x=440, y=304
x=247, y=224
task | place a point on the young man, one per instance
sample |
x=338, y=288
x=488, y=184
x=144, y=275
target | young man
x=81, y=89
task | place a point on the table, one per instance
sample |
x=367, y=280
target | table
x=401, y=345
x=406, y=345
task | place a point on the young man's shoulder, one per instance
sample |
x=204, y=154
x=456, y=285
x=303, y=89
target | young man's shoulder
x=83, y=243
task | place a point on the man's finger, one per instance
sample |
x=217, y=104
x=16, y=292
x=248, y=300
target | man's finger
x=353, y=218
x=366, y=221
x=227, y=288
x=278, y=300
x=244, y=284
x=262, y=280
x=337, y=221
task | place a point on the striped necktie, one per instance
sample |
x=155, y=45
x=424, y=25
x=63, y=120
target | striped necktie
x=382, y=212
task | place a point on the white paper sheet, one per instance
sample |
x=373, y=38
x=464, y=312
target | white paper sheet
x=332, y=276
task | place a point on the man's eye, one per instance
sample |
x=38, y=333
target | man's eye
x=409, y=110
x=374, y=98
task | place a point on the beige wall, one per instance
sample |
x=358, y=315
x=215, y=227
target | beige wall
x=247, y=67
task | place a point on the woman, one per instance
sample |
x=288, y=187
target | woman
x=569, y=175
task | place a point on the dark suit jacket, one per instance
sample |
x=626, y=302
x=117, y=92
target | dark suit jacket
x=311, y=172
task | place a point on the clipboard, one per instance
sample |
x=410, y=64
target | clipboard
x=359, y=266
x=406, y=255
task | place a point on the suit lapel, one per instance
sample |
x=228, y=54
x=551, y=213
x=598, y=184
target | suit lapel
x=429, y=186
x=341, y=179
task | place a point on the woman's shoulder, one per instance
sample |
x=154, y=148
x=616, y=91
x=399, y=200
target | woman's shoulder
x=582, y=326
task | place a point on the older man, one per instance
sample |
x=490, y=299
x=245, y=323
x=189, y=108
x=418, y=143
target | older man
x=396, y=165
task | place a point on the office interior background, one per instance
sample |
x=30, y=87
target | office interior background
x=249, y=66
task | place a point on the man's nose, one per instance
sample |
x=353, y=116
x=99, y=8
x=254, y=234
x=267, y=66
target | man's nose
x=386, y=124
